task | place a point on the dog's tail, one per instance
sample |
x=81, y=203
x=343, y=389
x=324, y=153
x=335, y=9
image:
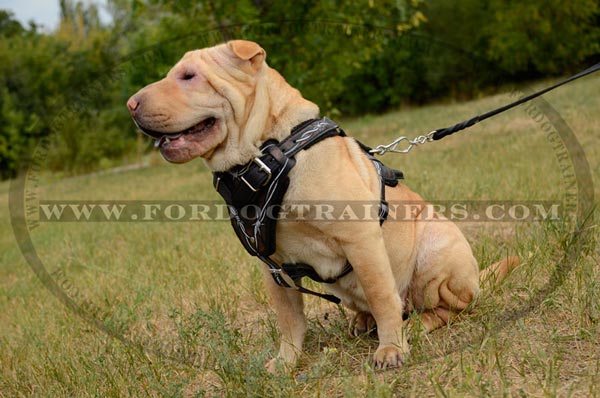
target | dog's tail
x=498, y=271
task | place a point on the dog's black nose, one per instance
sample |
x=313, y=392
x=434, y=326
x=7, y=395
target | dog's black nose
x=132, y=104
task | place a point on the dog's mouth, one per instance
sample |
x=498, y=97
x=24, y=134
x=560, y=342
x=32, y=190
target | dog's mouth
x=165, y=138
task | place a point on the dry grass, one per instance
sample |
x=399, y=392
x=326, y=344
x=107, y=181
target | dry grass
x=187, y=315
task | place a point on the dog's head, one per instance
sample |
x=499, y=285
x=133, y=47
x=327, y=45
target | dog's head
x=217, y=103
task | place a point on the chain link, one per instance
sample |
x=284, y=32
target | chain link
x=393, y=146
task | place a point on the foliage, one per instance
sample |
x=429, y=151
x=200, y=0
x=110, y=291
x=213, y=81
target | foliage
x=46, y=92
x=545, y=37
x=349, y=57
x=469, y=46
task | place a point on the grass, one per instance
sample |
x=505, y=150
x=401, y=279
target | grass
x=189, y=318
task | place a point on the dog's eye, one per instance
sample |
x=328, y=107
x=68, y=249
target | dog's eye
x=188, y=76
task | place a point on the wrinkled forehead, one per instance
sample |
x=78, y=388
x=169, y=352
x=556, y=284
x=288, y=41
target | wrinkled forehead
x=189, y=58
x=219, y=55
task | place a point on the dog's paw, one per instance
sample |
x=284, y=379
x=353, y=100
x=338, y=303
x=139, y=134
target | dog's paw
x=390, y=356
x=274, y=365
x=362, y=323
x=271, y=365
x=278, y=366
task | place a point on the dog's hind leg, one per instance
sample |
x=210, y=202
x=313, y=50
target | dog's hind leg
x=362, y=323
x=439, y=316
x=433, y=319
x=446, y=279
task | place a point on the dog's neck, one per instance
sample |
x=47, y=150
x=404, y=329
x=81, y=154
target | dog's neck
x=287, y=110
x=275, y=109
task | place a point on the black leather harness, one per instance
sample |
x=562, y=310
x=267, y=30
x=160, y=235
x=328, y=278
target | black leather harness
x=254, y=193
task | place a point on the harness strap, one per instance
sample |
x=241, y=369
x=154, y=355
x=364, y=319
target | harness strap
x=315, y=130
x=279, y=274
x=387, y=176
x=254, y=193
x=297, y=271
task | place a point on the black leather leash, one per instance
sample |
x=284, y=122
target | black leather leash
x=438, y=134
x=441, y=133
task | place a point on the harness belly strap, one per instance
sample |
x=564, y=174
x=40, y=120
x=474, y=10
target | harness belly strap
x=254, y=193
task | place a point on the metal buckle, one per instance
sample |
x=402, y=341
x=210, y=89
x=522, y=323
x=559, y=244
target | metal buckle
x=262, y=167
x=393, y=146
x=283, y=276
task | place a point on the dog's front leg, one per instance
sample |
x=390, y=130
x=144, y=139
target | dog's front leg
x=289, y=307
x=365, y=249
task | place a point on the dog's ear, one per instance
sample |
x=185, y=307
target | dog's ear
x=248, y=51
